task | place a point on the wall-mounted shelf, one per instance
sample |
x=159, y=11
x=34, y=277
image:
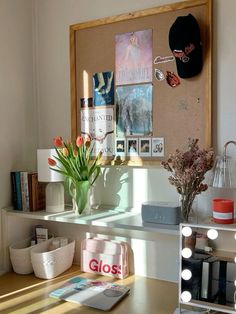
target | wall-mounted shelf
x=100, y=218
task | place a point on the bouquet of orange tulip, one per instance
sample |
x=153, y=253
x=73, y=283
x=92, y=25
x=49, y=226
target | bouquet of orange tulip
x=75, y=162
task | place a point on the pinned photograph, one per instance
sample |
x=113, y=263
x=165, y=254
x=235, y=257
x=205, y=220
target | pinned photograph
x=132, y=146
x=103, y=88
x=145, y=147
x=158, y=146
x=133, y=61
x=134, y=110
x=120, y=146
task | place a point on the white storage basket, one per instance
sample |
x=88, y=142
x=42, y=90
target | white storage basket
x=20, y=257
x=49, y=264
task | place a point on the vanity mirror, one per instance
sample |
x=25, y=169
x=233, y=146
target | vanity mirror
x=208, y=267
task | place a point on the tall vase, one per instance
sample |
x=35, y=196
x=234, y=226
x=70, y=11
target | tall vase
x=188, y=212
x=80, y=197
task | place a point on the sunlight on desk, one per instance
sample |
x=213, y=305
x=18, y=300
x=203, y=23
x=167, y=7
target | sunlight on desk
x=23, y=294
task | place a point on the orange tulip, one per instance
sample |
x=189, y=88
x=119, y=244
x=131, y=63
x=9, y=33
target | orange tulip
x=51, y=162
x=75, y=153
x=79, y=141
x=65, y=152
x=58, y=142
x=87, y=140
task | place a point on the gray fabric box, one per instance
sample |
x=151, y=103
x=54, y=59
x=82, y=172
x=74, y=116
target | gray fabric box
x=161, y=213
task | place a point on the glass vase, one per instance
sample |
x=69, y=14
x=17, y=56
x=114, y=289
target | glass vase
x=80, y=197
x=188, y=208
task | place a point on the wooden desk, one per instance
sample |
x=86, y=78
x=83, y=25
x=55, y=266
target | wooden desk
x=24, y=294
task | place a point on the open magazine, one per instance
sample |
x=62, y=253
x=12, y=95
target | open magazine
x=97, y=294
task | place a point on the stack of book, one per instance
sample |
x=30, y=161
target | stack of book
x=27, y=193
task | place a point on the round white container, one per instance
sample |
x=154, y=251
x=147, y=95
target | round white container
x=20, y=257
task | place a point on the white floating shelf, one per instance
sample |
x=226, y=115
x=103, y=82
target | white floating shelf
x=111, y=218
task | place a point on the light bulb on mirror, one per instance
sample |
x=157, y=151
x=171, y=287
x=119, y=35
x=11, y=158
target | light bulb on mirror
x=187, y=231
x=186, y=252
x=186, y=296
x=212, y=234
x=186, y=274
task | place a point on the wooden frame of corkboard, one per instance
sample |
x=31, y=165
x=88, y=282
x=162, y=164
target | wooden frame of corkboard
x=178, y=113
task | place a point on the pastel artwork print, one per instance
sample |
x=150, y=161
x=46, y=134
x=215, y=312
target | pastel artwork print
x=134, y=57
x=134, y=110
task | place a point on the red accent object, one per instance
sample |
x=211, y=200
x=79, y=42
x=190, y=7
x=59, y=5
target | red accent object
x=172, y=79
x=98, y=266
x=223, y=211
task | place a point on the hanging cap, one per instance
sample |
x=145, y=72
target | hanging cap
x=186, y=46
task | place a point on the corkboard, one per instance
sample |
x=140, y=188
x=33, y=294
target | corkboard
x=178, y=113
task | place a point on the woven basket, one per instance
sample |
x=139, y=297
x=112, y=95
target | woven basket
x=49, y=264
x=20, y=257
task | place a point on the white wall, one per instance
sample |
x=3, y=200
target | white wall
x=18, y=127
x=17, y=112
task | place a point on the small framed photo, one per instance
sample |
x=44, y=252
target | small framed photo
x=120, y=146
x=145, y=147
x=158, y=146
x=132, y=146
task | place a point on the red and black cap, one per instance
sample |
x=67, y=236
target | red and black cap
x=186, y=46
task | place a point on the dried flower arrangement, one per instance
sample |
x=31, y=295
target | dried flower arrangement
x=188, y=169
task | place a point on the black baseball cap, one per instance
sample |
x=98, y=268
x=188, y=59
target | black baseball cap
x=186, y=46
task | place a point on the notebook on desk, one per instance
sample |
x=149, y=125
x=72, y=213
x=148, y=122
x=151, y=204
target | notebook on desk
x=97, y=294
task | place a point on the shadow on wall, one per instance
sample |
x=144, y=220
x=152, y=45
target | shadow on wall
x=113, y=187
x=129, y=187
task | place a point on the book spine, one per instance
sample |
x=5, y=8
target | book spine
x=37, y=195
x=16, y=190
x=24, y=190
x=41, y=196
x=13, y=190
x=33, y=200
x=30, y=191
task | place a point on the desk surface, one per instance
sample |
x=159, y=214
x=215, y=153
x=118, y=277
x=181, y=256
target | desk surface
x=23, y=294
